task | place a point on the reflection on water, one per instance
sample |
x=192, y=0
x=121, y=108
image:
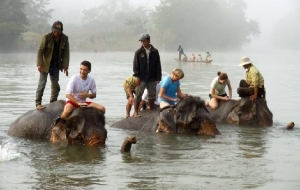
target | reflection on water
x=240, y=158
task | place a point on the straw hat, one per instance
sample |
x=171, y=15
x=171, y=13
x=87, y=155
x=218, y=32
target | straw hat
x=245, y=61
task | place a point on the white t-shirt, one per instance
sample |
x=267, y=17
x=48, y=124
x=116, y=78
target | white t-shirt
x=77, y=85
x=219, y=88
x=145, y=94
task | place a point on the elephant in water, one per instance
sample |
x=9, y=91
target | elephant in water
x=243, y=112
x=84, y=125
x=189, y=115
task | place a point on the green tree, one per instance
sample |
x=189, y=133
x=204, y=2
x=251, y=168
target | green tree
x=38, y=16
x=114, y=25
x=12, y=22
x=204, y=24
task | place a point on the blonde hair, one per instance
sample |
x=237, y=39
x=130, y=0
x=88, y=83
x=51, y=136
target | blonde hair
x=178, y=73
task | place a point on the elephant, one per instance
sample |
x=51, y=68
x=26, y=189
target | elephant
x=189, y=115
x=85, y=125
x=243, y=112
x=126, y=146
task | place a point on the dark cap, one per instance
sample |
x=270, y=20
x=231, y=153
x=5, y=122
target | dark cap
x=57, y=26
x=144, y=37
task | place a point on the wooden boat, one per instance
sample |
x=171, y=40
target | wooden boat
x=203, y=61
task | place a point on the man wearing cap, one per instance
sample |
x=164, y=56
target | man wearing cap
x=147, y=67
x=53, y=56
x=253, y=86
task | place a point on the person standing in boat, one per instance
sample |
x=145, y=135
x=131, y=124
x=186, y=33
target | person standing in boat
x=253, y=86
x=180, y=52
x=217, y=90
x=146, y=67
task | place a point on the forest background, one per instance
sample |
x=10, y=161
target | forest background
x=114, y=25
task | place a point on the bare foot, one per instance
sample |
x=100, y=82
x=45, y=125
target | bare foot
x=136, y=115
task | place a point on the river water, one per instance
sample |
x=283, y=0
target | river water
x=242, y=157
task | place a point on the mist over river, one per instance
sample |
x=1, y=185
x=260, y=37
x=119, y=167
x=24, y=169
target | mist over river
x=242, y=157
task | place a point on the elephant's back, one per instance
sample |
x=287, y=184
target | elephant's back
x=147, y=121
x=37, y=123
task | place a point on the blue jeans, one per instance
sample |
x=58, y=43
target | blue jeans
x=55, y=88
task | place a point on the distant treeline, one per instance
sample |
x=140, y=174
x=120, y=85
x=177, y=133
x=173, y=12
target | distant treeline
x=117, y=24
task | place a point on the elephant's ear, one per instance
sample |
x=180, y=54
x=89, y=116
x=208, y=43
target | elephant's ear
x=75, y=125
x=58, y=133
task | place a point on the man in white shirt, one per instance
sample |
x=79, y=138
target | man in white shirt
x=79, y=88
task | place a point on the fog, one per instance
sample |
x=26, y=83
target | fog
x=266, y=12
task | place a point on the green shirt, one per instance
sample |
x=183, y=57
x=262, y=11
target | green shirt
x=254, y=77
x=45, y=52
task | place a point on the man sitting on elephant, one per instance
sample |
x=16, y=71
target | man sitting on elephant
x=78, y=90
x=253, y=86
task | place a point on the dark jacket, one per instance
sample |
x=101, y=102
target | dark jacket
x=45, y=51
x=142, y=70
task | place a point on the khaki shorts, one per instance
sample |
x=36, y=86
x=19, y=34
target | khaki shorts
x=163, y=104
x=127, y=95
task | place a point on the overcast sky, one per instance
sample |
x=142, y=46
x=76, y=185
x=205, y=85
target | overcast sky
x=266, y=12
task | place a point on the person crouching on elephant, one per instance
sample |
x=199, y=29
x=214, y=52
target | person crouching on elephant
x=79, y=88
x=170, y=91
x=130, y=85
x=253, y=86
x=217, y=90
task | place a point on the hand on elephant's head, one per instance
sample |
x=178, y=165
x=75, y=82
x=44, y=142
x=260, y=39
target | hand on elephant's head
x=188, y=115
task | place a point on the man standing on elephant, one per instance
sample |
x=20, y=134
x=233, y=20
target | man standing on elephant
x=147, y=67
x=78, y=89
x=53, y=56
x=253, y=86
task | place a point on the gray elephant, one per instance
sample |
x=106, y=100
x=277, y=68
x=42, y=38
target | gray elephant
x=189, y=115
x=83, y=126
x=243, y=112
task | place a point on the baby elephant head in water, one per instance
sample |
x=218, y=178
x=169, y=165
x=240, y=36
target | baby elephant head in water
x=189, y=115
x=83, y=126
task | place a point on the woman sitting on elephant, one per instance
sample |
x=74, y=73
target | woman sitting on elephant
x=217, y=90
x=170, y=85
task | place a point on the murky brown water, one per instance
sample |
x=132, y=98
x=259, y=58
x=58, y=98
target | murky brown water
x=241, y=158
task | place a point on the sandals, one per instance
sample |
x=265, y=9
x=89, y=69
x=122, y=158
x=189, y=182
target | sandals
x=39, y=107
